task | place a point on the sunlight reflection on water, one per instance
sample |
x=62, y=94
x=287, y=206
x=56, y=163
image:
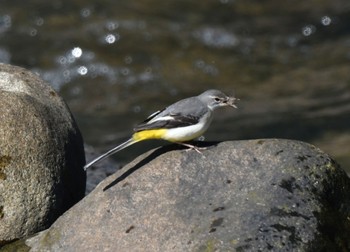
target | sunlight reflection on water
x=121, y=58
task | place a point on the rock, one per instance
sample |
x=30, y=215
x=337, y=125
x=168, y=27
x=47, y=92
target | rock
x=257, y=195
x=41, y=155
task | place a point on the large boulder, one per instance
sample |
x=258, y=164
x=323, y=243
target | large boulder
x=41, y=155
x=257, y=195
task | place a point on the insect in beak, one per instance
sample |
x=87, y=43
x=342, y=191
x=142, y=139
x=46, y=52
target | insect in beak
x=231, y=101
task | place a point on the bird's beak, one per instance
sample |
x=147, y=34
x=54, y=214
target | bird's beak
x=231, y=101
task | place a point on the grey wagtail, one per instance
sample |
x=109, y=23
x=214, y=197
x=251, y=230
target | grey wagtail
x=182, y=121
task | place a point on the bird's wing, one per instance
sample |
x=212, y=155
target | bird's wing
x=153, y=115
x=168, y=122
x=183, y=113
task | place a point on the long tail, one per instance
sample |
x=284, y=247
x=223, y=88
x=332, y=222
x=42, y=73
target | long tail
x=111, y=152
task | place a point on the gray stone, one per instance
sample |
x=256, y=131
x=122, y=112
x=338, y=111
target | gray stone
x=41, y=155
x=257, y=195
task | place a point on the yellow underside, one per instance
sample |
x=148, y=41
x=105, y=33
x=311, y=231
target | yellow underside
x=149, y=134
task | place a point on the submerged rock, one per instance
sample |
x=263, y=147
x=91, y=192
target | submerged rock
x=257, y=195
x=41, y=155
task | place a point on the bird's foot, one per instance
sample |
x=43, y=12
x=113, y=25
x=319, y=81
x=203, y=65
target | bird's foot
x=192, y=147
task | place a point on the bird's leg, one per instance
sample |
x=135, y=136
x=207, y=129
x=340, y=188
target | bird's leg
x=192, y=147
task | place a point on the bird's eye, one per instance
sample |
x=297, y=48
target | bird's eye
x=217, y=99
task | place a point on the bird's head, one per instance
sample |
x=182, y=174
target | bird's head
x=215, y=99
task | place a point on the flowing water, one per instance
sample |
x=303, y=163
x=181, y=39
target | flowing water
x=115, y=62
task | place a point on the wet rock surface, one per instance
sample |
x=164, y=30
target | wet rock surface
x=257, y=195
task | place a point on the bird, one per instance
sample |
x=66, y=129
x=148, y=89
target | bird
x=180, y=122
